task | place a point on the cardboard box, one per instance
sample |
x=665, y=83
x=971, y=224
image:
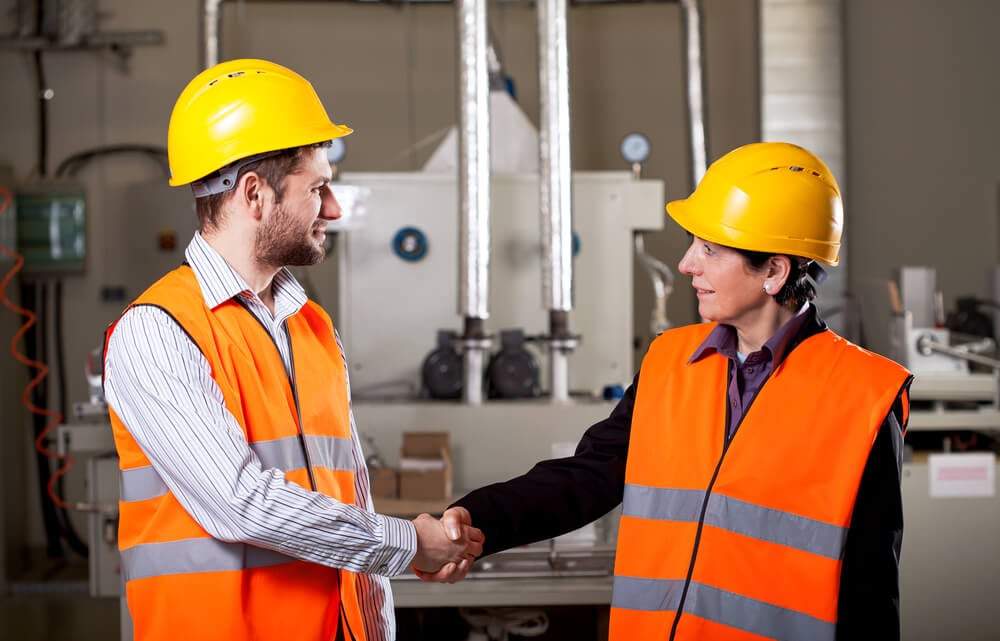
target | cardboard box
x=425, y=466
x=384, y=482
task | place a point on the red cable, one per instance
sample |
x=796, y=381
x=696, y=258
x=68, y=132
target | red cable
x=43, y=371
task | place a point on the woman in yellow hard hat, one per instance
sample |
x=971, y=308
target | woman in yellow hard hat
x=246, y=511
x=757, y=455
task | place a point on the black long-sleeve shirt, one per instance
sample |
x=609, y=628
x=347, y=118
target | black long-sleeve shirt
x=560, y=495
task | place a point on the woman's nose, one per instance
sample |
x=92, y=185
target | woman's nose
x=687, y=264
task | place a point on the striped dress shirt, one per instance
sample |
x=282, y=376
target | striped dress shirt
x=161, y=386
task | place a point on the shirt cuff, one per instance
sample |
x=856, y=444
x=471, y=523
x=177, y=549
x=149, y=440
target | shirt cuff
x=399, y=548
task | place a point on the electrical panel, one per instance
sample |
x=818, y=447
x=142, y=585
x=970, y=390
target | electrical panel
x=52, y=227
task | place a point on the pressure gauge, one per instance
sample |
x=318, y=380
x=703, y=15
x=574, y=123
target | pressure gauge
x=635, y=148
x=337, y=150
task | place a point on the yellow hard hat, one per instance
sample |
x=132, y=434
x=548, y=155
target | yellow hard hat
x=242, y=108
x=770, y=197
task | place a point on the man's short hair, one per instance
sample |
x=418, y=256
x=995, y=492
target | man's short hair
x=272, y=169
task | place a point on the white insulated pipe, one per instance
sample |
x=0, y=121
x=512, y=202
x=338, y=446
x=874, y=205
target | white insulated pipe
x=473, y=159
x=691, y=14
x=555, y=187
x=211, y=21
x=554, y=156
x=473, y=189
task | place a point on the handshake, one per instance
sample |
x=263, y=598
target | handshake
x=447, y=547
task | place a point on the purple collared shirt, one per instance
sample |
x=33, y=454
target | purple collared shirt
x=749, y=376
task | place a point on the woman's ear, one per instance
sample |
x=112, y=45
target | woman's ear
x=779, y=270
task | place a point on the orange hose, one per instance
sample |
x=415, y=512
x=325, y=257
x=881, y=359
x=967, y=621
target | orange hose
x=43, y=371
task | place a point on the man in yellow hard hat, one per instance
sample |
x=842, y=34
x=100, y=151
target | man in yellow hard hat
x=246, y=511
x=756, y=456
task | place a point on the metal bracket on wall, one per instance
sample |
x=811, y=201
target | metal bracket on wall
x=71, y=25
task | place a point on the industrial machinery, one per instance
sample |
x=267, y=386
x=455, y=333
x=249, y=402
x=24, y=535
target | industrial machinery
x=951, y=496
x=385, y=288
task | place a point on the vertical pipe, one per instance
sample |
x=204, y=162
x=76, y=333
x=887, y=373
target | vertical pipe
x=555, y=186
x=694, y=56
x=559, y=364
x=211, y=18
x=554, y=149
x=473, y=186
x=802, y=100
x=474, y=343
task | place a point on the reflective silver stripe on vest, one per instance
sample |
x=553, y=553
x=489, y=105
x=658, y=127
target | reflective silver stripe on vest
x=734, y=515
x=194, y=555
x=720, y=606
x=283, y=454
x=141, y=483
x=286, y=454
x=331, y=452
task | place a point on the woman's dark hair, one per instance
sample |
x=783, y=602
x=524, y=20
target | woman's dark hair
x=798, y=287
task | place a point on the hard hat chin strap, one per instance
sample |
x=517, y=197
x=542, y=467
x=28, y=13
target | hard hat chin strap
x=225, y=179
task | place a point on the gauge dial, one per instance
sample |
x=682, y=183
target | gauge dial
x=635, y=148
x=337, y=150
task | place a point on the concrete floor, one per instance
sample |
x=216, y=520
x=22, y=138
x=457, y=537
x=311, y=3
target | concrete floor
x=75, y=616
x=70, y=616
x=65, y=612
x=49, y=601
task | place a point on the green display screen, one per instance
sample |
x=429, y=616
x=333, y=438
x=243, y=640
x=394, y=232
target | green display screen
x=51, y=231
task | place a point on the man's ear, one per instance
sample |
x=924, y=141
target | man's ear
x=249, y=192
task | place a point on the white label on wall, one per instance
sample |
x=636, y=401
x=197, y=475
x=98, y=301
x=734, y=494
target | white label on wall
x=967, y=474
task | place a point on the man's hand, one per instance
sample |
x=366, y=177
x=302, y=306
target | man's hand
x=446, y=548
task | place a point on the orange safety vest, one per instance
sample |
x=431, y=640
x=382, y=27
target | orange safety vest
x=744, y=540
x=180, y=582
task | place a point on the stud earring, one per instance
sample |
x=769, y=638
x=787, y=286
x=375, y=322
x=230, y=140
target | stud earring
x=767, y=288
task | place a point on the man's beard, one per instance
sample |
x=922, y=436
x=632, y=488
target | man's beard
x=277, y=244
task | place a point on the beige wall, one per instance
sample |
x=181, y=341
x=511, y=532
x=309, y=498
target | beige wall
x=922, y=138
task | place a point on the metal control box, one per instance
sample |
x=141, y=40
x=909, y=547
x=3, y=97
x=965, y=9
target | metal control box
x=105, y=561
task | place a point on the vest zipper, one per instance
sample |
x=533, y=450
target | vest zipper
x=291, y=383
x=727, y=439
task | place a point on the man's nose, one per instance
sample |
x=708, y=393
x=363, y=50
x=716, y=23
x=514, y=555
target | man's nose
x=331, y=208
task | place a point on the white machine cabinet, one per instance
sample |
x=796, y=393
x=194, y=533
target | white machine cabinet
x=391, y=308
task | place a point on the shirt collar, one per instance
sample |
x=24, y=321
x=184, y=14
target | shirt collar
x=722, y=339
x=219, y=282
x=781, y=343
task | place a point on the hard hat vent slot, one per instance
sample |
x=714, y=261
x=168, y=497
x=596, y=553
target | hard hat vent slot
x=794, y=168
